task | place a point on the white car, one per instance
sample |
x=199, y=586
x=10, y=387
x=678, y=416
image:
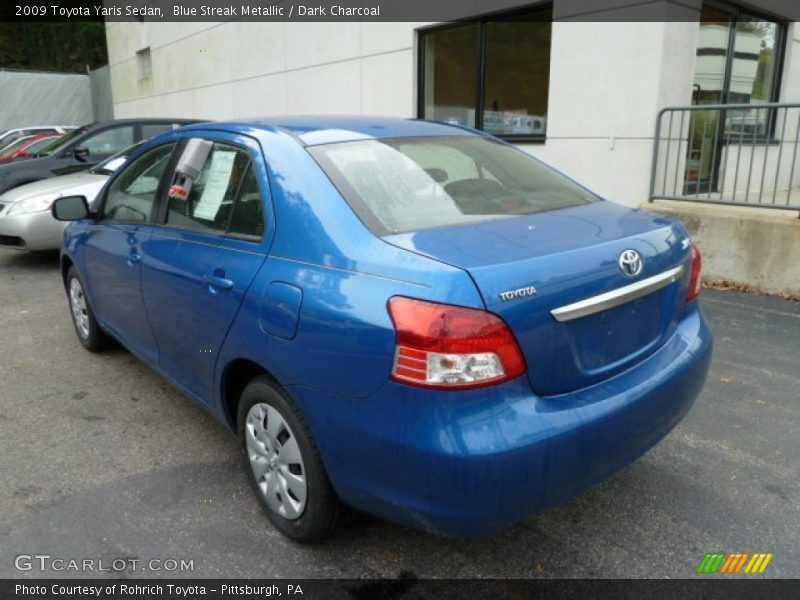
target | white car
x=25, y=219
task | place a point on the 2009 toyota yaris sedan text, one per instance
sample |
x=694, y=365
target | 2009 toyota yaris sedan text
x=409, y=318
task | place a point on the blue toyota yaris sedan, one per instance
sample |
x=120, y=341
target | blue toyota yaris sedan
x=409, y=318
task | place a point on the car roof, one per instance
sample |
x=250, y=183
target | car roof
x=2, y=131
x=328, y=129
x=143, y=121
x=91, y=128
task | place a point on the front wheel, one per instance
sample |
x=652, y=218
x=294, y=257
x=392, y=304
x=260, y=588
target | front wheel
x=283, y=464
x=89, y=333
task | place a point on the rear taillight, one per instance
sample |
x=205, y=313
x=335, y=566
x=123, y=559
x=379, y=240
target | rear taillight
x=697, y=274
x=449, y=347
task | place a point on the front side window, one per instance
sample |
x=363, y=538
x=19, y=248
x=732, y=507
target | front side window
x=409, y=184
x=109, y=141
x=64, y=141
x=224, y=199
x=492, y=75
x=131, y=196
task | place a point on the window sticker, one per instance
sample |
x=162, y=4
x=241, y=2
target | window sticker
x=217, y=181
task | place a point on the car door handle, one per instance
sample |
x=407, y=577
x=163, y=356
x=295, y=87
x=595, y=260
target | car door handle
x=215, y=283
x=134, y=258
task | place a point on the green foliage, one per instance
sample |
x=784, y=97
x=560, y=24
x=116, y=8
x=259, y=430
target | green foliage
x=67, y=46
x=762, y=86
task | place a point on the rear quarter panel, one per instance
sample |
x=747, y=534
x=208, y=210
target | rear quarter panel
x=344, y=341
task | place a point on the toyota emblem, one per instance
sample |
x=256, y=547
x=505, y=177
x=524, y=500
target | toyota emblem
x=630, y=263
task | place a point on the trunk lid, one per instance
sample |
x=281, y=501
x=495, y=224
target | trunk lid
x=568, y=256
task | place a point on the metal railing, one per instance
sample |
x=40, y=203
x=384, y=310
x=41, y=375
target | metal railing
x=741, y=154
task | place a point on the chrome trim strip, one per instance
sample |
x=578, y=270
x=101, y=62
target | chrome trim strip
x=602, y=302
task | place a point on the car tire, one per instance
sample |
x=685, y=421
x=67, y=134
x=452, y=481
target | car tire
x=283, y=464
x=89, y=333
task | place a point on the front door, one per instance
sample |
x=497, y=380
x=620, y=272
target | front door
x=113, y=251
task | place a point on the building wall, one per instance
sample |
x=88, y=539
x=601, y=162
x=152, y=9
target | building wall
x=38, y=98
x=232, y=70
x=607, y=81
x=100, y=86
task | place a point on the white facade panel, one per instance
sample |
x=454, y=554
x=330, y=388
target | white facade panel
x=328, y=89
x=387, y=84
x=309, y=44
x=377, y=38
x=260, y=96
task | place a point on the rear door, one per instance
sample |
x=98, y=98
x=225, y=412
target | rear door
x=200, y=261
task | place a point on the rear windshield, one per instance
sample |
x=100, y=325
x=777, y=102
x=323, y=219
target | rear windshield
x=408, y=184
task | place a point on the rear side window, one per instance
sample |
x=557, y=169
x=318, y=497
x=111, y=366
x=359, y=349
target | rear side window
x=131, y=196
x=248, y=215
x=410, y=184
x=224, y=199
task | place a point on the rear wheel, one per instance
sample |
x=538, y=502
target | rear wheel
x=283, y=464
x=89, y=333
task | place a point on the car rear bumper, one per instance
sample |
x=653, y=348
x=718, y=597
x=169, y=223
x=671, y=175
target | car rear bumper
x=473, y=462
x=32, y=231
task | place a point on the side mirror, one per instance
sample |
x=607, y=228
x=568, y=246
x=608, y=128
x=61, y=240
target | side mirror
x=81, y=153
x=70, y=208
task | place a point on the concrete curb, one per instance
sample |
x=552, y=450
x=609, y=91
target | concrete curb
x=751, y=246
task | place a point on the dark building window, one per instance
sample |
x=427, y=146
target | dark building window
x=739, y=58
x=492, y=74
x=738, y=62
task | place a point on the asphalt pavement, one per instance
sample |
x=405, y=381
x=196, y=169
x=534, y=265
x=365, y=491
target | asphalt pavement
x=101, y=459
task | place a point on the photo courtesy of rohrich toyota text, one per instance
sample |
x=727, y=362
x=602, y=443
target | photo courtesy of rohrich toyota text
x=154, y=590
x=399, y=299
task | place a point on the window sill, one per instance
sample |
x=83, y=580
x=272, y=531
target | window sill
x=734, y=140
x=209, y=232
x=521, y=139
